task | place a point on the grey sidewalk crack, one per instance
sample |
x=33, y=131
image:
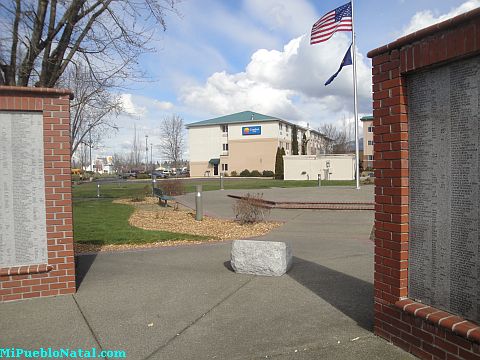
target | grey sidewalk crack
x=95, y=337
x=176, y=336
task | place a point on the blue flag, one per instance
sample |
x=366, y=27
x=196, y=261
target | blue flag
x=347, y=60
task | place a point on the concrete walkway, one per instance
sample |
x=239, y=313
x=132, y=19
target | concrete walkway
x=185, y=303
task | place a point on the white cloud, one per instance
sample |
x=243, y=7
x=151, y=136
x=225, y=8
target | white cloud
x=287, y=83
x=129, y=107
x=426, y=18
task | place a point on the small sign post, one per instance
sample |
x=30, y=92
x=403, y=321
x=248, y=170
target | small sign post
x=198, y=204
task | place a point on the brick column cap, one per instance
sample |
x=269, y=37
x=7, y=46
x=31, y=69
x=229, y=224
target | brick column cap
x=17, y=90
x=417, y=35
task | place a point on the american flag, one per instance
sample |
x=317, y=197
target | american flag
x=339, y=19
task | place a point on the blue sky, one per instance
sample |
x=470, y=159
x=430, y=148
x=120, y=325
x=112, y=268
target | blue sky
x=224, y=56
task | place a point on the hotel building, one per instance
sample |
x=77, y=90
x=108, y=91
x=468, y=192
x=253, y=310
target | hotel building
x=367, y=141
x=245, y=140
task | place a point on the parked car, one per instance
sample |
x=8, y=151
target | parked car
x=129, y=174
x=185, y=172
x=161, y=174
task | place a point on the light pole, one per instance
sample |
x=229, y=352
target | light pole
x=151, y=156
x=146, y=152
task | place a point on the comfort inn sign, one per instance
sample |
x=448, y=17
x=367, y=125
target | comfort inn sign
x=251, y=130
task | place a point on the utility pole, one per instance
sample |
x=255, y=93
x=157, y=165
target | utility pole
x=90, y=144
x=146, y=152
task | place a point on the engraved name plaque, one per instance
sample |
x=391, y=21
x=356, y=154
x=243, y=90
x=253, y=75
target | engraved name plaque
x=23, y=239
x=444, y=175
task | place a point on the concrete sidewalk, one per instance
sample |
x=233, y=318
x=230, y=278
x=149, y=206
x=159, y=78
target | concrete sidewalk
x=185, y=303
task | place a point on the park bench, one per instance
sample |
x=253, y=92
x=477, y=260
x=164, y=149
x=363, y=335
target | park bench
x=162, y=196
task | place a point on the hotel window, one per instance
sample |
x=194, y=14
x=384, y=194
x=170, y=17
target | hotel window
x=280, y=145
x=370, y=157
x=224, y=167
x=280, y=126
x=287, y=146
x=225, y=128
x=370, y=142
x=370, y=129
x=225, y=147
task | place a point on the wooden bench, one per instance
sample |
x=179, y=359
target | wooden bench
x=162, y=196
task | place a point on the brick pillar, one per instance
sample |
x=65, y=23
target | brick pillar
x=57, y=276
x=391, y=178
x=423, y=330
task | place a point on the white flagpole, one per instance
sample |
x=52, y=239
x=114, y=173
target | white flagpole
x=355, y=106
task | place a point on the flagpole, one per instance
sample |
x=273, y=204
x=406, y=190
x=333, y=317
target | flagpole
x=355, y=105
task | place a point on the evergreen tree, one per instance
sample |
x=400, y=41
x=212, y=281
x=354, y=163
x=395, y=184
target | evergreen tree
x=279, y=163
x=282, y=153
x=304, y=144
x=294, y=140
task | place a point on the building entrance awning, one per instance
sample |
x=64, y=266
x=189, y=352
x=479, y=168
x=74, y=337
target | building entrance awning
x=214, y=161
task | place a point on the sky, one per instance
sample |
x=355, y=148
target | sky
x=218, y=57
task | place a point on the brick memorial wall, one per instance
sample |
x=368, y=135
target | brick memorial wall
x=36, y=231
x=426, y=160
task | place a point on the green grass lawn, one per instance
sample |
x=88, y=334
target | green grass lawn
x=102, y=222
x=134, y=189
x=112, y=190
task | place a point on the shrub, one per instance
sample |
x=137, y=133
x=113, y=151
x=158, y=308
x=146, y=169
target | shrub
x=268, y=173
x=255, y=173
x=249, y=209
x=225, y=174
x=147, y=190
x=234, y=173
x=172, y=187
x=245, y=173
x=143, y=176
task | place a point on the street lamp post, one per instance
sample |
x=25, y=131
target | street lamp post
x=146, y=152
x=151, y=157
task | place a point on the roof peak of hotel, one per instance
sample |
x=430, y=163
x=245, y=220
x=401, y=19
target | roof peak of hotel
x=244, y=117
x=240, y=117
x=366, y=118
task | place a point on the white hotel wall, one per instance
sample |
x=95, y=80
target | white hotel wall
x=205, y=142
x=253, y=152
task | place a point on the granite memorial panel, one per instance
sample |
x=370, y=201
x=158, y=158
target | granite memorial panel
x=444, y=175
x=23, y=239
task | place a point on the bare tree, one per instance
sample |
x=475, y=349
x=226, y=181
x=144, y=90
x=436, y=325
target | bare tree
x=340, y=137
x=93, y=108
x=120, y=163
x=40, y=39
x=172, y=143
x=82, y=155
x=136, y=151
